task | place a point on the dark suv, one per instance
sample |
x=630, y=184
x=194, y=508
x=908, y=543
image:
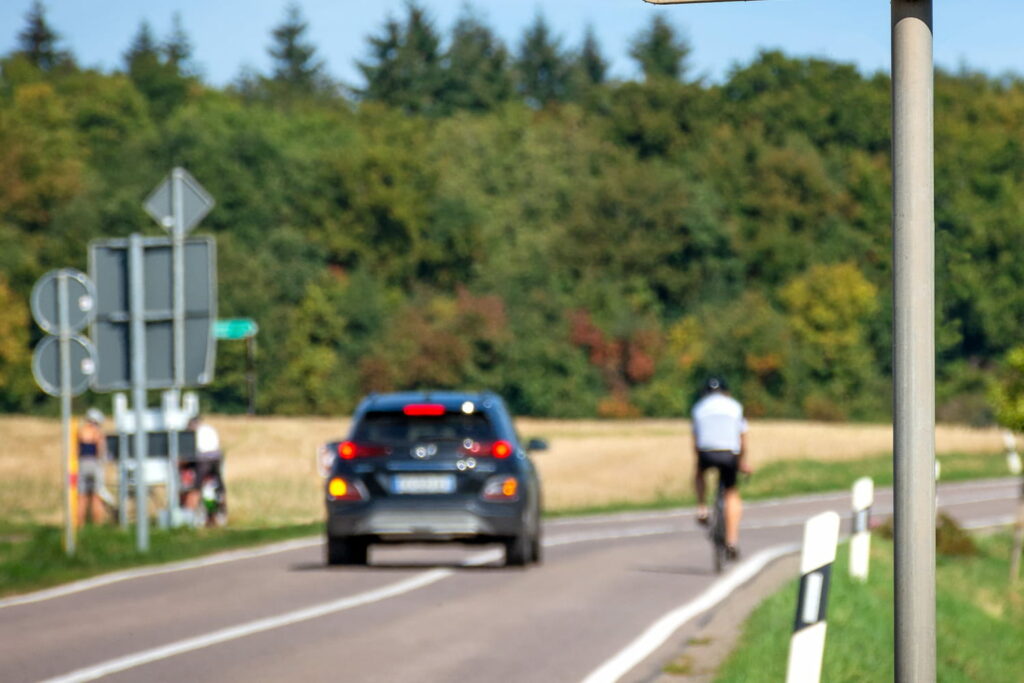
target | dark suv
x=432, y=467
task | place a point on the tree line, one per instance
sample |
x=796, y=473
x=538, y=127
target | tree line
x=479, y=215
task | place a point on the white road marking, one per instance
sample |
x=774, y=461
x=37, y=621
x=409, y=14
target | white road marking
x=233, y=632
x=659, y=632
x=115, y=577
x=242, y=630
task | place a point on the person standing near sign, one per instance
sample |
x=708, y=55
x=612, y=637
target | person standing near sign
x=202, y=482
x=92, y=459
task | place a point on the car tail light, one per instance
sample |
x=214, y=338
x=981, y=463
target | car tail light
x=501, y=488
x=349, y=450
x=498, y=449
x=340, y=488
x=424, y=409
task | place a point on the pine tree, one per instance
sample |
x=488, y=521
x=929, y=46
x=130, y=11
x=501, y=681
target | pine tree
x=177, y=48
x=661, y=51
x=296, y=65
x=153, y=73
x=544, y=70
x=592, y=63
x=477, y=66
x=38, y=41
x=405, y=67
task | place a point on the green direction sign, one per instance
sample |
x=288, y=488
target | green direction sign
x=235, y=328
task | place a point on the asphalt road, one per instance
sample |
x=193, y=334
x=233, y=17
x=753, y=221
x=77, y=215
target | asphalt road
x=610, y=601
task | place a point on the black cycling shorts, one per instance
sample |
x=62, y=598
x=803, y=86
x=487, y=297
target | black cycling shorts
x=726, y=462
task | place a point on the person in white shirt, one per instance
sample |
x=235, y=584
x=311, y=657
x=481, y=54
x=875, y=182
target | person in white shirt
x=720, y=441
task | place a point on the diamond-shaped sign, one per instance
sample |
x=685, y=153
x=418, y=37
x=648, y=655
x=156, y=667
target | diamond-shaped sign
x=195, y=202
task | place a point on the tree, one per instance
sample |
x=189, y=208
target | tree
x=660, y=50
x=405, y=67
x=543, y=68
x=177, y=48
x=15, y=358
x=296, y=66
x=1007, y=394
x=477, y=67
x=593, y=65
x=153, y=73
x=38, y=41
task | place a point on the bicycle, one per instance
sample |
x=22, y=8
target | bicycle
x=716, y=529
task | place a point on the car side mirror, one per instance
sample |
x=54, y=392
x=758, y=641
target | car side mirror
x=536, y=445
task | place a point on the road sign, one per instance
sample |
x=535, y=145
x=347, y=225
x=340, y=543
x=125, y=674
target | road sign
x=45, y=300
x=109, y=265
x=181, y=187
x=235, y=328
x=46, y=364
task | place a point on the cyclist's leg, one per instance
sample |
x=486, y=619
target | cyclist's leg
x=733, y=505
x=700, y=487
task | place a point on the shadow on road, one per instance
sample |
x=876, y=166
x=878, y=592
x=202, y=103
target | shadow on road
x=686, y=570
x=398, y=566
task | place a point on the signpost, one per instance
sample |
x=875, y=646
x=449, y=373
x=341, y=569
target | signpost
x=62, y=304
x=242, y=328
x=156, y=303
x=178, y=204
x=913, y=192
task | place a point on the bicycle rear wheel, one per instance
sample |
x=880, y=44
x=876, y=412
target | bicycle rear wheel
x=718, y=533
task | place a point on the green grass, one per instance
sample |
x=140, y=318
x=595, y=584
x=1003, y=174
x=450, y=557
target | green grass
x=980, y=622
x=795, y=477
x=32, y=557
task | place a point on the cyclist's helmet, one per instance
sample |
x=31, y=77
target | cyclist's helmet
x=714, y=383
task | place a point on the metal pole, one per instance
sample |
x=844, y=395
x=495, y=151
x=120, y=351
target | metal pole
x=914, y=340
x=178, y=275
x=138, y=353
x=250, y=371
x=64, y=338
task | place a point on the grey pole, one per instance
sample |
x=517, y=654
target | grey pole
x=64, y=337
x=138, y=354
x=178, y=275
x=250, y=371
x=914, y=341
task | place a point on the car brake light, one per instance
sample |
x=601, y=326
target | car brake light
x=501, y=488
x=501, y=449
x=424, y=409
x=339, y=488
x=348, y=450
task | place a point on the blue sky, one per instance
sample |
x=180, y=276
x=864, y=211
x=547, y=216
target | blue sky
x=230, y=34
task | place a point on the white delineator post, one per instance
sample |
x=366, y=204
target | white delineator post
x=807, y=646
x=860, y=542
x=1012, y=457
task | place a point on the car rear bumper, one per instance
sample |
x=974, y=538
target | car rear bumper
x=409, y=520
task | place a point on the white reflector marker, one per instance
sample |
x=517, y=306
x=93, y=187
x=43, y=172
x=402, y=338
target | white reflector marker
x=1012, y=458
x=807, y=647
x=860, y=542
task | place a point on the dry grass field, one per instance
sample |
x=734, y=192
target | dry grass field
x=272, y=477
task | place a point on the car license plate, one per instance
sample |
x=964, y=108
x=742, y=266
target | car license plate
x=423, y=483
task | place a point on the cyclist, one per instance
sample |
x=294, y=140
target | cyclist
x=720, y=439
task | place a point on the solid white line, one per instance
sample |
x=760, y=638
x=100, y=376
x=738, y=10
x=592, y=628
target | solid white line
x=234, y=632
x=115, y=577
x=231, y=633
x=656, y=635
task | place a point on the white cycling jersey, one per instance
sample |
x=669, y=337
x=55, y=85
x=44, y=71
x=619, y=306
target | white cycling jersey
x=718, y=423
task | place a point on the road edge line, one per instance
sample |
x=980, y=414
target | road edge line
x=660, y=631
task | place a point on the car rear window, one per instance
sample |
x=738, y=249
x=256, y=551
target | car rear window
x=380, y=427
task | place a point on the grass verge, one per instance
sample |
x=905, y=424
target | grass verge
x=980, y=622
x=794, y=477
x=32, y=557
